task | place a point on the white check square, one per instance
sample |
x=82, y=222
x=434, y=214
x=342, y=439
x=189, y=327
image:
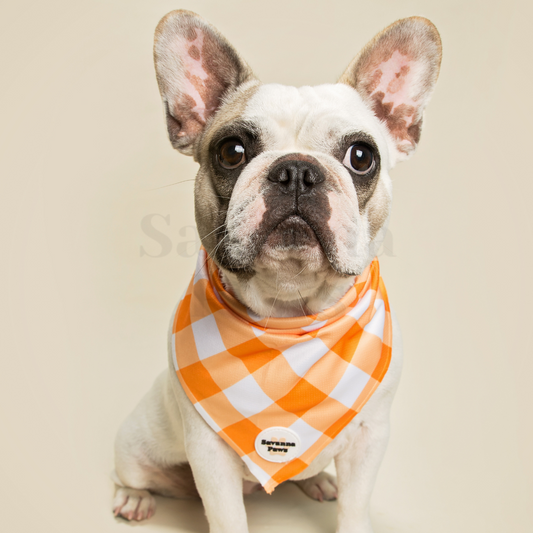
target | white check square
x=248, y=397
x=377, y=323
x=302, y=356
x=207, y=337
x=308, y=434
x=257, y=471
x=315, y=325
x=350, y=386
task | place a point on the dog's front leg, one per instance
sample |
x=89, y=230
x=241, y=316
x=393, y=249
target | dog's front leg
x=357, y=467
x=217, y=471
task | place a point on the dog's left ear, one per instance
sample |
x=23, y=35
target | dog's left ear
x=395, y=74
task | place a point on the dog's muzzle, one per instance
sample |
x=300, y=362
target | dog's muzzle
x=296, y=216
x=298, y=181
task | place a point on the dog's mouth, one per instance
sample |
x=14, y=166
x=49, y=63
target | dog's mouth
x=292, y=233
x=291, y=227
x=299, y=232
x=297, y=236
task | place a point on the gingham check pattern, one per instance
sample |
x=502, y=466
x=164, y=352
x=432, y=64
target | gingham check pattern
x=310, y=374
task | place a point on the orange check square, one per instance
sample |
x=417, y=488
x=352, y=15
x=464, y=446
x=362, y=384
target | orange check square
x=276, y=378
x=205, y=387
x=221, y=410
x=370, y=347
x=254, y=354
x=234, y=369
x=383, y=364
x=273, y=415
x=347, y=344
x=243, y=434
x=182, y=320
x=301, y=398
x=325, y=415
x=289, y=470
x=326, y=375
x=185, y=347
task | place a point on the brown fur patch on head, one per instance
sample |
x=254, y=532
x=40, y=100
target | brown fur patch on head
x=395, y=74
x=377, y=209
x=231, y=109
x=196, y=69
x=210, y=204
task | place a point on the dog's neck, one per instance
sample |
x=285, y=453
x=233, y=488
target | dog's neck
x=289, y=286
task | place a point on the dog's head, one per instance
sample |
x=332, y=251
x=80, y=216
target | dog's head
x=293, y=179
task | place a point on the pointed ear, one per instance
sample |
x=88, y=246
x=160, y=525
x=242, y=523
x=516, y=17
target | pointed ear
x=395, y=74
x=196, y=68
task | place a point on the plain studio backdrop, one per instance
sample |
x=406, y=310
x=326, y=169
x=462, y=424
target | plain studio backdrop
x=99, y=241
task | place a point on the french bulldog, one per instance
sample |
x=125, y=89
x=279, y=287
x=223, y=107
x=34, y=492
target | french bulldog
x=291, y=199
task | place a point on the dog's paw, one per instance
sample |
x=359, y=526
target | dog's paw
x=133, y=504
x=321, y=487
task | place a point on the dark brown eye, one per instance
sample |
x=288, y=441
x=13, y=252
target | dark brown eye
x=359, y=158
x=231, y=154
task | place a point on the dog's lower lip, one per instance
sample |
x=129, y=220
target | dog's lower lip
x=295, y=220
x=292, y=232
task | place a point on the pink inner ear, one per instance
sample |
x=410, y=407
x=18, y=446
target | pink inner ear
x=391, y=86
x=395, y=78
x=194, y=84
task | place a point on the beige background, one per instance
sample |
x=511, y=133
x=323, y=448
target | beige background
x=85, y=160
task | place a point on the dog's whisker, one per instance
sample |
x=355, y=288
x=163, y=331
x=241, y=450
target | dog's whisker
x=273, y=304
x=301, y=301
x=292, y=279
x=210, y=216
x=171, y=184
x=211, y=232
x=210, y=255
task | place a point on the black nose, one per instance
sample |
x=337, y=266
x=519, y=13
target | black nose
x=295, y=176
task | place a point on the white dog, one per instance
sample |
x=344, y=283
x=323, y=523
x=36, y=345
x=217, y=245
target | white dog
x=291, y=198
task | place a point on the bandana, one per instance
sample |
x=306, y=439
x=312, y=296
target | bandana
x=278, y=390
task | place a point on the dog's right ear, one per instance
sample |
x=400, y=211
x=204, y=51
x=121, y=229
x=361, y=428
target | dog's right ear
x=196, y=68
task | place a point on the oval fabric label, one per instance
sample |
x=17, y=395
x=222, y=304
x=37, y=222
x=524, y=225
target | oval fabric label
x=278, y=445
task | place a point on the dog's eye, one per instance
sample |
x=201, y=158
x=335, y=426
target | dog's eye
x=359, y=158
x=231, y=154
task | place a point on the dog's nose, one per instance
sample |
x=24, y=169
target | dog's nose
x=296, y=176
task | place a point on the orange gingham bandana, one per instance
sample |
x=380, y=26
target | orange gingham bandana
x=310, y=374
